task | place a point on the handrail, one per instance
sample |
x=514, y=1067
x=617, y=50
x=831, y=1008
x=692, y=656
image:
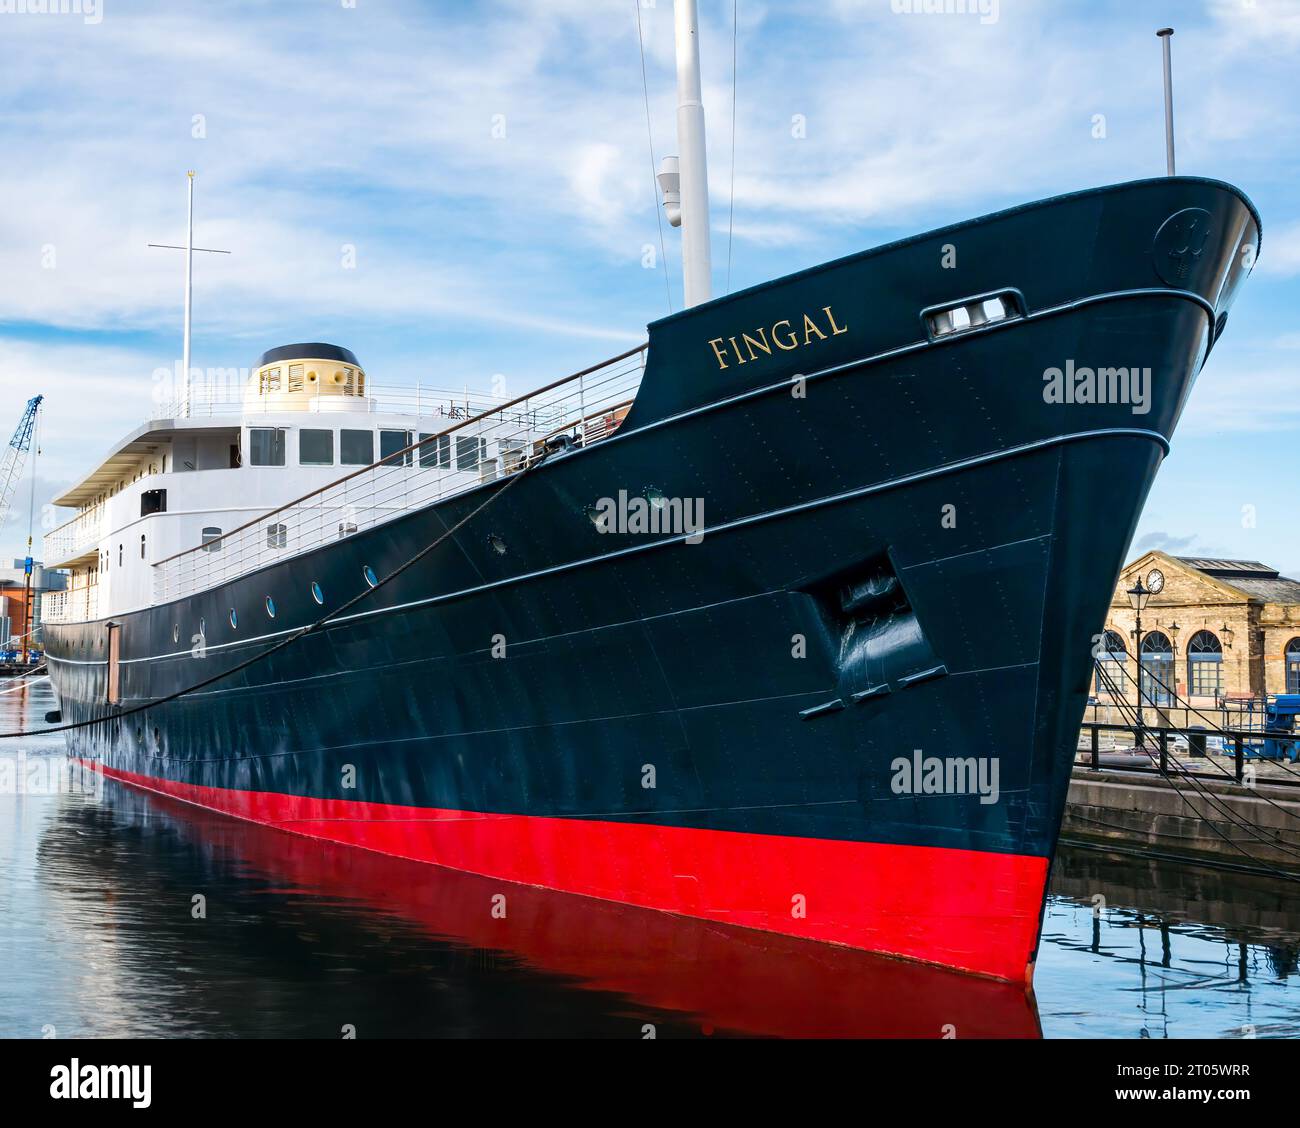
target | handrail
x=400, y=454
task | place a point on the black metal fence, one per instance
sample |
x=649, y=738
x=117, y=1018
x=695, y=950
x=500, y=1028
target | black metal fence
x=1244, y=745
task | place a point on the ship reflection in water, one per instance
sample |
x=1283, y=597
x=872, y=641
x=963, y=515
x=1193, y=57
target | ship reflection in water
x=303, y=938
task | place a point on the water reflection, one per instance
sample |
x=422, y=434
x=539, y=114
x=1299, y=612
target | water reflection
x=1148, y=949
x=100, y=936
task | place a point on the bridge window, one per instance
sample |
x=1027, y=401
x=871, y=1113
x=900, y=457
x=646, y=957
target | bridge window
x=1293, y=666
x=390, y=442
x=211, y=539
x=1157, y=670
x=470, y=451
x=356, y=448
x=266, y=446
x=315, y=447
x=435, y=452
x=1204, y=665
x=1112, y=661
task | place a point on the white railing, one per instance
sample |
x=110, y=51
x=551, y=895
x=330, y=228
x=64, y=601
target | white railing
x=74, y=605
x=226, y=398
x=75, y=537
x=502, y=440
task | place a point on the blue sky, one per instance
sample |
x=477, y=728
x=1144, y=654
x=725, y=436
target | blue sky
x=489, y=164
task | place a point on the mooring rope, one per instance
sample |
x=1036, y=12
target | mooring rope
x=294, y=636
x=1231, y=816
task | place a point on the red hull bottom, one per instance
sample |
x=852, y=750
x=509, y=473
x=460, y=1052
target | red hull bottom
x=976, y=912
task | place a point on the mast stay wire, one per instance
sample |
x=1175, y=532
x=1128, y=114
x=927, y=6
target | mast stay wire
x=654, y=183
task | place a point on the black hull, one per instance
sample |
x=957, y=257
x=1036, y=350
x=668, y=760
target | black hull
x=913, y=550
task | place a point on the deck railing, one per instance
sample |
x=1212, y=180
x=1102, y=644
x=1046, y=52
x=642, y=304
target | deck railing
x=72, y=605
x=228, y=397
x=499, y=441
x=73, y=538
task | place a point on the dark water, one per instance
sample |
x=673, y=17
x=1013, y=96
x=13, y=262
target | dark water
x=100, y=937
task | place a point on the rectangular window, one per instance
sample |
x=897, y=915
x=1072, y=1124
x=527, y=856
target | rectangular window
x=390, y=442
x=428, y=451
x=1206, y=679
x=315, y=447
x=356, y=448
x=153, y=501
x=469, y=451
x=295, y=377
x=211, y=539
x=266, y=446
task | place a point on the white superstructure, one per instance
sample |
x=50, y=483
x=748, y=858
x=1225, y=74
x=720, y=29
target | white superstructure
x=287, y=463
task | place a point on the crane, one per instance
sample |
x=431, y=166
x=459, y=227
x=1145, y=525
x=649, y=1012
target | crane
x=11, y=472
x=11, y=469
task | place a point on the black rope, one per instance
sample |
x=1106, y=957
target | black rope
x=293, y=637
x=1231, y=816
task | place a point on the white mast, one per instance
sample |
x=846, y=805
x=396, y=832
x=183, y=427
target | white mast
x=189, y=250
x=690, y=209
x=1164, y=33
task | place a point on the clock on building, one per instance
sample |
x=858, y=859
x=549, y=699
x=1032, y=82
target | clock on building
x=1155, y=581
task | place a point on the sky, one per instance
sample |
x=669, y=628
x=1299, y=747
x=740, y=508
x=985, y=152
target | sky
x=461, y=192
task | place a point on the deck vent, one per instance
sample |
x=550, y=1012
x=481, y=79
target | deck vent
x=973, y=313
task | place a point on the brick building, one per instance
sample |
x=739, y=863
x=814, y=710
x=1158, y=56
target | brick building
x=14, y=602
x=1214, y=633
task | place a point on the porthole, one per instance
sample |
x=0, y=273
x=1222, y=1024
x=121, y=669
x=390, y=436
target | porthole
x=234, y=619
x=369, y=573
x=496, y=544
x=317, y=594
x=176, y=632
x=270, y=607
x=203, y=629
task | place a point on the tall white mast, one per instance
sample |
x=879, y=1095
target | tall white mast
x=189, y=250
x=690, y=209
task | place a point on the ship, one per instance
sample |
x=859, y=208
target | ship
x=784, y=619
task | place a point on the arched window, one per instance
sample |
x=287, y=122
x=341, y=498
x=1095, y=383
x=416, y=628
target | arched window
x=1157, y=670
x=1111, y=661
x=1204, y=665
x=1293, y=666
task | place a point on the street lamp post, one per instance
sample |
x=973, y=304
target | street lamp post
x=1137, y=597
